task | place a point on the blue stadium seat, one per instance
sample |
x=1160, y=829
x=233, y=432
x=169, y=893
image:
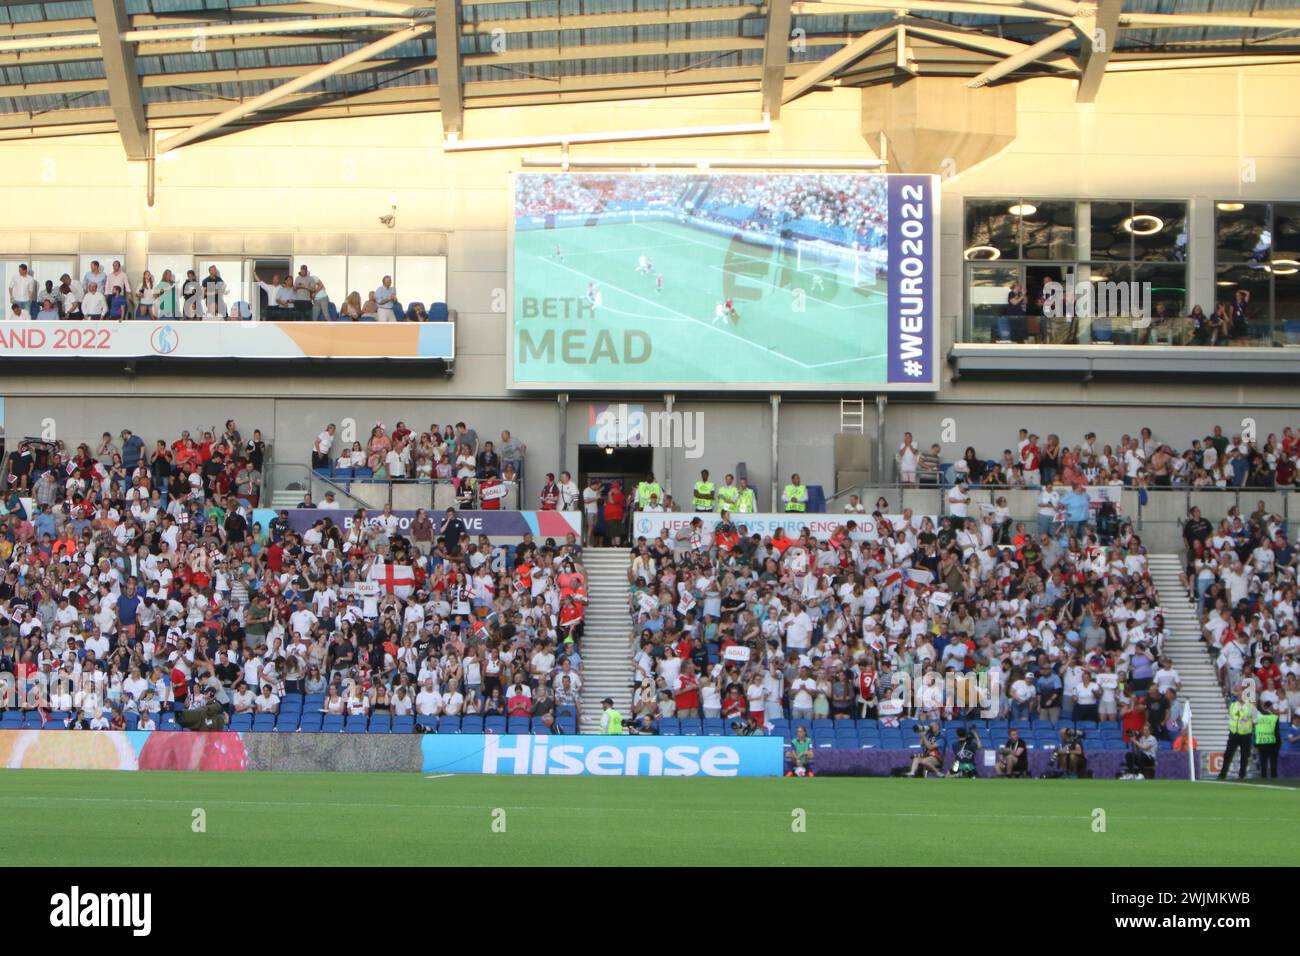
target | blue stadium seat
x=241, y=722
x=448, y=725
x=712, y=726
x=430, y=724
x=355, y=724
x=263, y=722
x=491, y=725
x=845, y=728
x=287, y=722
x=517, y=725
x=471, y=725
x=567, y=725
x=404, y=724
x=670, y=726
x=438, y=312
x=381, y=724
x=844, y=743
x=822, y=724
x=313, y=701
x=166, y=722
x=1088, y=725
x=310, y=723
x=540, y=729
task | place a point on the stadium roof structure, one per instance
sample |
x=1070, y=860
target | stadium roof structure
x=198, y=68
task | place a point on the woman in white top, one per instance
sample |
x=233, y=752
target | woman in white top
x=354, y=457
x=466, y=466
x=146, y=296
x=334, y=704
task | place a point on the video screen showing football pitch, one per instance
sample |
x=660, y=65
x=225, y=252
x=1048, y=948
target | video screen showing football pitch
x=700, y=280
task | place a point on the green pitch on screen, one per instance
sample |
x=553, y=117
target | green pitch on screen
x=113, y=818
x=813, y=325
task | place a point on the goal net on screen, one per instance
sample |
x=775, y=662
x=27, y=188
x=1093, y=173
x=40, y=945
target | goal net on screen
x=854, y=265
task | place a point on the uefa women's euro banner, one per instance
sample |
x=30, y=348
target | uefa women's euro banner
x=503, y=527
x=603, y=756
x=218, y=340
x=822, y=526
x=699, y=280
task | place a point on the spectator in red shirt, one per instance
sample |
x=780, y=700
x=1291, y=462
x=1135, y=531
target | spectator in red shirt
x=614, y=513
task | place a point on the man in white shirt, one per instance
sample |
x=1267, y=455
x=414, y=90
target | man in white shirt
x=958, y=501
x=802, y=689
x=93, y=305
x=386, y=299
x=322, y=447
x=117, y=282
x=329, y=504
x=22, y=291
x=568, y=492
x=854, y=507
x=908, y=458
x=798, y=629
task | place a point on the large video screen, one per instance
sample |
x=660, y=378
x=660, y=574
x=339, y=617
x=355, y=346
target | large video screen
x=714, y=280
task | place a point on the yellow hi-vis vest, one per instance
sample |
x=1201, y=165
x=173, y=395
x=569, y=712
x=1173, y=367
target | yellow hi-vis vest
x=703, y=494
x=1266, y=729
x=1241, y=717
x=745, y=504
x=791, y=496
x=727, y=496
x=643, y=492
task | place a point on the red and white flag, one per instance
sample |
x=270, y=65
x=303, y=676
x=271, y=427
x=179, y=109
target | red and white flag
x=397, y=579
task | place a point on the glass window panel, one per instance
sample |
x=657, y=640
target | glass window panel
x=365, y=273
x=1162, y=292
x=1256, y=282
x=1286, y=232
x=992, y=232
x=989, y=287
x=1242, y=234
x=105, y=260
x=52, y=270
x=231, y=272
x=1109, y=239
x=1159, y=231
x=1089, y=328
x=1286, y=303
x=178, y=263
x=331, y=270
x=1048, y=231
x=421, y=279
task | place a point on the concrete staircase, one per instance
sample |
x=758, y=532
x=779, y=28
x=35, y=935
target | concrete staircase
x=607, y=636
x=1185, y=648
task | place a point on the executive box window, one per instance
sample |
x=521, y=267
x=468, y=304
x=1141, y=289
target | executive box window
x=1132, y=253
x=1257, y=259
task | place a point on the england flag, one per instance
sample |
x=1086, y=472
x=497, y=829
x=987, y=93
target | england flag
x=396, y=579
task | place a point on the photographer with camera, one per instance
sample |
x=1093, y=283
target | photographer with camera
x=1013, y=756
x=1069, y=755
x=930, y=759
x=1140, y=761
x=968, y=745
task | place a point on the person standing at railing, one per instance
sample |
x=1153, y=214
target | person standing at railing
x=795, y=495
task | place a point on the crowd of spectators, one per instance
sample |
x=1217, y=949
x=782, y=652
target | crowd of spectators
x=141, y=584
x=482, y=471
x=893, y=625
x=1241, y=572
x=113, y=295
x=855, y=206
x=1134, y=461
x=593, y=193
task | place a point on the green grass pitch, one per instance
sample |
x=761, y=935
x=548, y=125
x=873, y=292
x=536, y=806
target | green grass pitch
x=808, y=326
x=111, y=818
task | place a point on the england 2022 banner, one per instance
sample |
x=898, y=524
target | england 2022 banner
x=694, y=280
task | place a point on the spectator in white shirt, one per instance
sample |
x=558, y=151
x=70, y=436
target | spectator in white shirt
x=22, y=290
x=386, y=300
x=93, y=305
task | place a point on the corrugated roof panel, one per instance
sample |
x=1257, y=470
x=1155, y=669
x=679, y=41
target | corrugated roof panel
x=39, y=73
x=81, y=70
x=24, y=13
x=69, y=10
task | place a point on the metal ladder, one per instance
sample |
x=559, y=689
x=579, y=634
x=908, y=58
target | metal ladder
x=853, y=415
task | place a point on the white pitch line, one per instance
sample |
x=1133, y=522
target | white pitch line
x=1247, y=783
x=700, y=322
x=438, y=776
